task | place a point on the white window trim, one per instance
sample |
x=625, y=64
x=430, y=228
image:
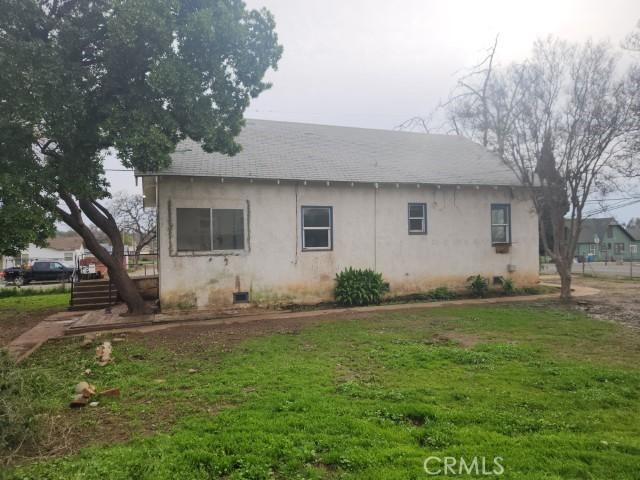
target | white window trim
x=329, y=228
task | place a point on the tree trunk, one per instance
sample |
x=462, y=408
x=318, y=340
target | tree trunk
x=127, y=289
x=114, y=261
x=136, y=257
x=564, y=271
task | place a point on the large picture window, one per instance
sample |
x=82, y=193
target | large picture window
x=205, y=229
x=417, y=218
x=500, y=223
x=317, y=228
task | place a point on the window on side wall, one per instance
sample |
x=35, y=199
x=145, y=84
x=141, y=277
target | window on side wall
x=228, y=229
x=193, y=229
x=206, y=229
x=619, y=248
x=417, y=218
x=500, y=223
x=317, y=228
x=68, y=256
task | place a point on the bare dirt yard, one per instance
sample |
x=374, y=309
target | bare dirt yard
x=618, y=300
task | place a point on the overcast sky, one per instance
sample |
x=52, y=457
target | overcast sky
x=376, y=63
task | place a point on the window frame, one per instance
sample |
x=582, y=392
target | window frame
x=212, y=251
x=618, y=248
x=329, y=228
x=507, y=207
x=423, y=231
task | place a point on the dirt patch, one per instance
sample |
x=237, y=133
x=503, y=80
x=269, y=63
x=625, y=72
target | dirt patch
x=618, y=300
x=460, y=339
x=194, y=339
x=13, y=324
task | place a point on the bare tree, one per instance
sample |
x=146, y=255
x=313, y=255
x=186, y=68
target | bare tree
x=562, y=121
x=133, y=218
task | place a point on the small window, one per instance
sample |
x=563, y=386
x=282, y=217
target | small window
x=193, y=229
x=593, y=249
x=317, y=228
x=417, y=218
x=619, y=248
x=500, y=223
x=228, y=229
x=68, y=256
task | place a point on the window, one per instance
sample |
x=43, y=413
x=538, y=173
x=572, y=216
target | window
x=194, y=229
x=68, y=256
x=206, y=229
x=593, y=249
x=500, y=223
x=417, y=218
x=619, y=248
x=228, y=229
x=317, y=228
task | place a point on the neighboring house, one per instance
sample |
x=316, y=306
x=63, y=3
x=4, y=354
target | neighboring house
x=604, y=239
x=61, y=248
x=301, y=202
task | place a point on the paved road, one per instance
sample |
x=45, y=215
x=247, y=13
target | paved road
x=600, y=269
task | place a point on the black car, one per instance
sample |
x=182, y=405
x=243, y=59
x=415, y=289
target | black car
x=41, y=271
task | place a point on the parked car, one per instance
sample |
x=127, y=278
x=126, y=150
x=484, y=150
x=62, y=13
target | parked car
x=41, y=271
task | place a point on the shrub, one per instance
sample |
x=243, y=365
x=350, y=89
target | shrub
x=359, y=287
x=478, y=285
x=508, y=287
x=442, y=293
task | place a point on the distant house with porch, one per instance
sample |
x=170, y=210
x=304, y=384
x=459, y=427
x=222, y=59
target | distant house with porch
x=604, y=239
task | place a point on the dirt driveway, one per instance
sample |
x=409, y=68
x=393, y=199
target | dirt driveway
x=618, y=300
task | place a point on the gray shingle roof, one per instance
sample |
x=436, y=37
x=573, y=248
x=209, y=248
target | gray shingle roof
x=297, y=151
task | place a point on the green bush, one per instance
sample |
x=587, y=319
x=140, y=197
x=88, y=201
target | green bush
x=508, y=286
x=478, y=285
x=19, y=423
x=442, y=293
x=359, y=287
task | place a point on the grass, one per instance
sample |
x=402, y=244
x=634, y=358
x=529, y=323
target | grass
x=29, y=303
x=553, y=393
x=29, y=292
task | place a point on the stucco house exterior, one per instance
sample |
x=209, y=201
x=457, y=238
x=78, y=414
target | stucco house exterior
x=604, y=239
x=301, y=202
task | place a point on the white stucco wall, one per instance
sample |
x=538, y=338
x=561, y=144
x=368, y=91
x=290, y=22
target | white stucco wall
x=370, y=230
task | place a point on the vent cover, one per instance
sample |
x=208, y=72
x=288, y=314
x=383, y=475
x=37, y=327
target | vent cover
x=240, y=297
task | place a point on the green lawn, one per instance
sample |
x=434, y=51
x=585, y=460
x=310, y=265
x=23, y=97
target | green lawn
x=31, y=303
x=551, y=392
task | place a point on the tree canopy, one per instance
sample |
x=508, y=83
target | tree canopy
x=80, y=79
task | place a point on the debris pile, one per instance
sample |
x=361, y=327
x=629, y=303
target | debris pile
x=84, y=391
x=103, y=353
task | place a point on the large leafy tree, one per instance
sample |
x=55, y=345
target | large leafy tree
x=80, y=79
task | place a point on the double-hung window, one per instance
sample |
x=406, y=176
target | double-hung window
x=317, y=228
x=417, y=218
x=207, y=229
x=500, y=223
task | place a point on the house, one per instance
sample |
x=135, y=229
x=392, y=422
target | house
x=301, y=202
x=604, y=239
x=61, y=248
